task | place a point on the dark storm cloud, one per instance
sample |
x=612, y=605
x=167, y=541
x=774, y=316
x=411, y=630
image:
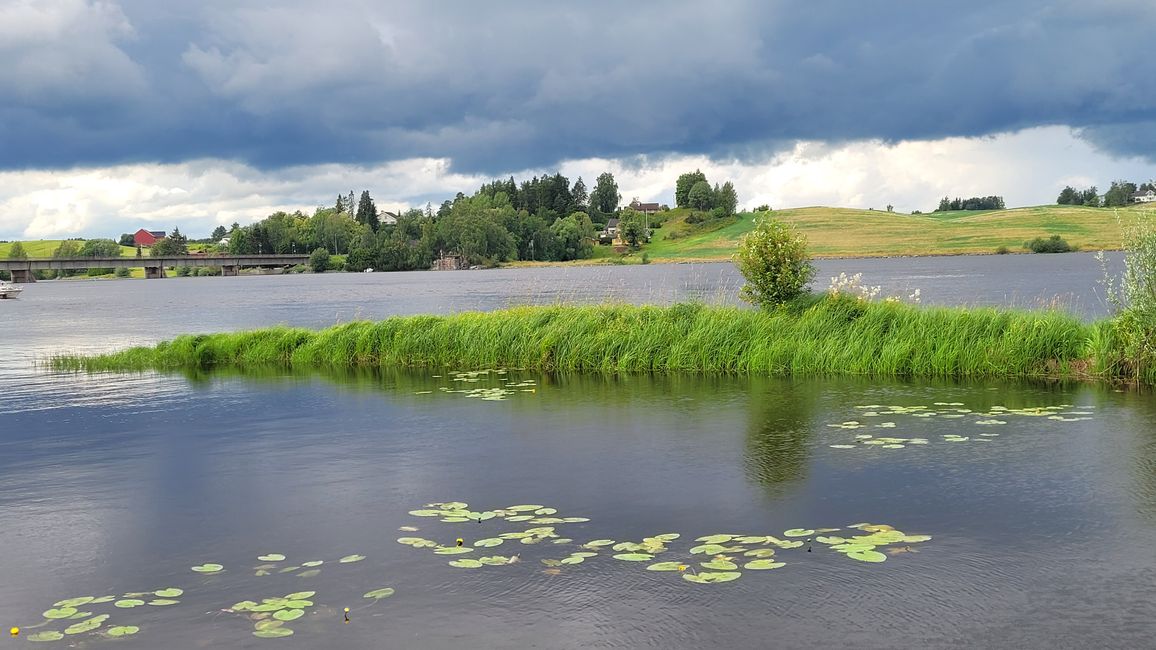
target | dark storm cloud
x=516, y=85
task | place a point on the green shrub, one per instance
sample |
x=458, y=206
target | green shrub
x=123, y=272
x=183, y=271
x=646, y=258
x=319, y=260
x=6, y=276
x=1053, y=244
x=1002, y=250
x=773, y=259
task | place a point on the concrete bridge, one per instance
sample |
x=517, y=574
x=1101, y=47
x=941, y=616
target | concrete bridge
x=22, y=270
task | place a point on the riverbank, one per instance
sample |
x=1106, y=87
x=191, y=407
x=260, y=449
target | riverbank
x=818, y=336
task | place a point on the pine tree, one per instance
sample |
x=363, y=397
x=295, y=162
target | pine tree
x=367, y=211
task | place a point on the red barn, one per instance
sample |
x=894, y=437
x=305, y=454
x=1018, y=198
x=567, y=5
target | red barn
x=148, y=237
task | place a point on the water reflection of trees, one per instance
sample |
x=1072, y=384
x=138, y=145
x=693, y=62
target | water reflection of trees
x=781, y=421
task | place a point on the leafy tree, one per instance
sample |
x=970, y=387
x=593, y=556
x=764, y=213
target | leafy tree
x=1053, y=244
x=219, y=233
x=127, y=239
x=728, y=199
x=773, y=259
x=701, y=196
x=100, y=248
x=1068, y=196
x=605, y=196
x=67, y=248
x=17, y=252
x=319, y=260
x=1119, y=194
x=1090, y=197
x=174, y=244
x=683, y=186
x=572, y=237
x=367, y=211
x=631, y=228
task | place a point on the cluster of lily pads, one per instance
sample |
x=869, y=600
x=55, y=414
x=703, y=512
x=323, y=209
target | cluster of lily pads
x=947, y=410
x=713, y=559
x=490, y=393
x=271, y=614
x=89, y=623
x=307, y=569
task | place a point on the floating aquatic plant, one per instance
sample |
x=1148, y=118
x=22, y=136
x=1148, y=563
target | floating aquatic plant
x=209, y=568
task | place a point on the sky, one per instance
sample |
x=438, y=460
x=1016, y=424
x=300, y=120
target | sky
x=121, y=114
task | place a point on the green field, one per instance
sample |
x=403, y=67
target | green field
x=847, y=232
x=45, y=248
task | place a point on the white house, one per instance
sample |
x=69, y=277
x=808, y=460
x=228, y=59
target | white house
x=1147, y=196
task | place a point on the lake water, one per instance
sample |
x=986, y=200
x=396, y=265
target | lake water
x=1041, y=527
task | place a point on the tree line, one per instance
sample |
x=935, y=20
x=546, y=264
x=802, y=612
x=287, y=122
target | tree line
x=947, y=204
x=1119, y=194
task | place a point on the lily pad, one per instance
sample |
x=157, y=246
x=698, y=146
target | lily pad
x=762, y=565
x=272, y=557
x=867, y=556
x=313, y=563
x=299, y=603
x=760, y=552
x=75, y=602
x=62, y=612
x=488, y=542
x=525, y=508
x=171, y=592
x=377, y=594
x=288, y=614
x=426, y=513
x=709, y=578
x=123, y=630
x=715, y=539
x=163, y=602
x=912, y=539
x=798, y=532
x=309, y=573
x=48, y=635
x=665, y=566
x=575, y=520
x=129, y=603
x=573, y=559
x=668, y=537
x=842, y=446
x=86, y=626
x=300, y=595
x=274, y=633
x=600, y=542
x=634, y=557
x=720, y=565
x=243, y=606
x=465, y=563
x=351, y=558
x=454, y=550
x=823, y=539
x=708, y=549
x=520, y=518
x=209, y=568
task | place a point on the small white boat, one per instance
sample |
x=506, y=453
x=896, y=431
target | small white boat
x=9, y=290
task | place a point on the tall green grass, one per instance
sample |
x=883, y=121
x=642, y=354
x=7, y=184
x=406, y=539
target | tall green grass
x=826, y=335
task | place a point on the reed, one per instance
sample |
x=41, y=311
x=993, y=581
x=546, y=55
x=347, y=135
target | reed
x=817, y=336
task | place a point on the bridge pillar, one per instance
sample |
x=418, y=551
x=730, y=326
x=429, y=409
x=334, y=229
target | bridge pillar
x=229, y=270
x=21, y=276
x=154, y=272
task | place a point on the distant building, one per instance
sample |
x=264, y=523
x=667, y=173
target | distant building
x=1147, y=196
x=644, y=208
x=612, y=227
x=148, y=237
x=387, y=218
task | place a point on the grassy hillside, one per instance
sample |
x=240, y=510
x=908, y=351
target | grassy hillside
x=836, y=232
x=45, y=248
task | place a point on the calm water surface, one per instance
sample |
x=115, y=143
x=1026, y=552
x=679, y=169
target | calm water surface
x=1041, y=535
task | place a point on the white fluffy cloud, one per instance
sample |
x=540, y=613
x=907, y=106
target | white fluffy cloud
x=1028, y=168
